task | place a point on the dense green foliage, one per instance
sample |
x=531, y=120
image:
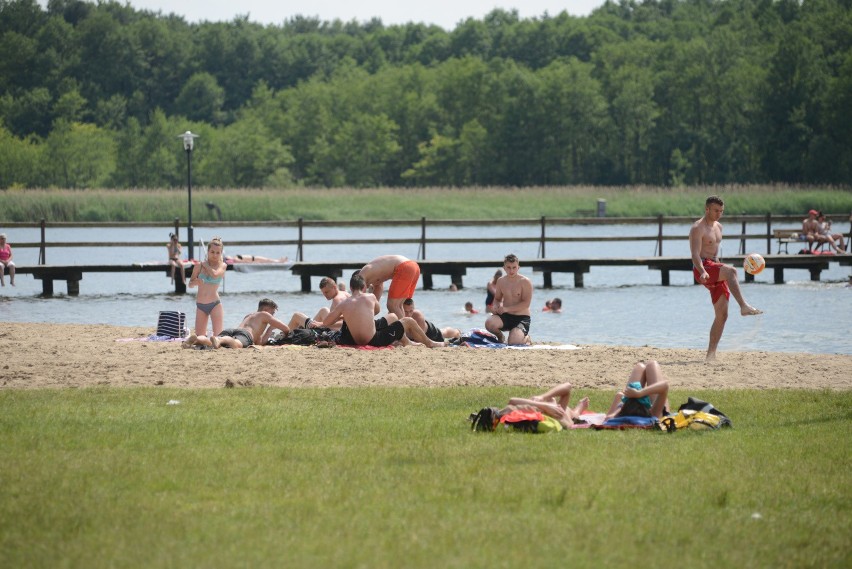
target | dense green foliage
x=662, y=92
x=374, y=477
x=383, y=204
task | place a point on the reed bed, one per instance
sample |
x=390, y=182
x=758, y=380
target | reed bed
x=381, y=204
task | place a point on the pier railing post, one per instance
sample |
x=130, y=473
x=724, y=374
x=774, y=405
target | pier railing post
x=42, y=250
x=659, y=250
x=421, y=252
x=299, y=249
x=541, y=252
x=743, y=240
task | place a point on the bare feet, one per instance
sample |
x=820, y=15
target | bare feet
x=190, y=341
x=748, y=310
x=215, y=341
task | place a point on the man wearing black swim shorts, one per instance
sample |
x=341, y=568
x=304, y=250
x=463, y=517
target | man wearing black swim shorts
x=511, y=307
x=386, y=334
x=359, y=328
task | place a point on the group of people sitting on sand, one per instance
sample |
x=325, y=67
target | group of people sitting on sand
x=354, y=315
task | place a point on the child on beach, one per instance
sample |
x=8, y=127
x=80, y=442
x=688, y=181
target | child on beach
x=207, y=276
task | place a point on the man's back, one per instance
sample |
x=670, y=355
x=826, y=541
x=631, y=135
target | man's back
x=359, y=311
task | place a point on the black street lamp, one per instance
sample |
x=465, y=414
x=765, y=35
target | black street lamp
x=188, y=143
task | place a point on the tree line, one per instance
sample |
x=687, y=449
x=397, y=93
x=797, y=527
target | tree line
x=661, y=92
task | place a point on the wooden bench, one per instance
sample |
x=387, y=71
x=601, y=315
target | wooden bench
x=785, y=237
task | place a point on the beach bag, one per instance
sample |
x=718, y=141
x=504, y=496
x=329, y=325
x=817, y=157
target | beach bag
x=172, y=323
x=696, y=415
x=485, y=420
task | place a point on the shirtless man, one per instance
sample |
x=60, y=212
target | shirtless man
x=403, y=274
x=434, y=333
x=331, y=292
x=360, y=329
x=705, y=236
x=810, y=229
x=511, y=307
x=254, y=330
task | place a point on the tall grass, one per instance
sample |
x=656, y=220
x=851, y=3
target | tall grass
x=393, y=204
x=393, y=477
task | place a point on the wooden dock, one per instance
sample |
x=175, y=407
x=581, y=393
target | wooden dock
x=456, y=270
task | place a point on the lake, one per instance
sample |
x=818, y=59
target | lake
x=618, y=306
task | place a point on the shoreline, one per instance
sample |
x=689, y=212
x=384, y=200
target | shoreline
x=61, y=356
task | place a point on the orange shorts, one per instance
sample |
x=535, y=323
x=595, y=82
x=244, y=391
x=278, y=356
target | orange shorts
x=404, y=280
x=716, y=287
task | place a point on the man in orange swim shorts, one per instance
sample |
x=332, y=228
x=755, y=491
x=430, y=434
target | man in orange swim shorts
x=705, y=236
x=403, y=274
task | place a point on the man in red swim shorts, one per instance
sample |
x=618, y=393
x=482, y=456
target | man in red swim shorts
x=705, y=236
x=403, y=274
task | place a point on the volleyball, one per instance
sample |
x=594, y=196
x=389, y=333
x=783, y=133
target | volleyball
x=753, y=264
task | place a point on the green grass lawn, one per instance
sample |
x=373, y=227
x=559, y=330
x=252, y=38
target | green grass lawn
x=393, y=478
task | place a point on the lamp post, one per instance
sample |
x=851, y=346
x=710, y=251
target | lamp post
x=188, y=143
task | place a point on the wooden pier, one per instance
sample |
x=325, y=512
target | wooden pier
x=456, y=270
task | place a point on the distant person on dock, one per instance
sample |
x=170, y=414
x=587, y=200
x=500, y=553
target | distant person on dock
x=705, y=237
x=554, y=305
x=403, y=274
x=491, y=288
x=432, y=331
x=331, y=292
x=511, y=307
x=810, y=229
x=359, y=327
x=254, y=259
x=835, y=240
x=207, y=276
x=254, y=330
x=175, y=250
x=6, y=261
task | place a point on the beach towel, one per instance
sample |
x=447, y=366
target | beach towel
x=479, y=338
x=628, y=422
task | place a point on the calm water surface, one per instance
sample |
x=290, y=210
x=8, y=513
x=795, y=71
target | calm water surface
x=619, y=306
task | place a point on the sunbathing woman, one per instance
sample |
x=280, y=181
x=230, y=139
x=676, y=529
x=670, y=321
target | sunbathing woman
x=207, y=276
x=646, y=394
x=553, y=403
x=254, y=259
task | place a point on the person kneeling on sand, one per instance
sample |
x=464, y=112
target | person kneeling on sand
x=359, y=328
x=254, y=330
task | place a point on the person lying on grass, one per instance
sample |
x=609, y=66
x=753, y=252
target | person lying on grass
x=646, y=394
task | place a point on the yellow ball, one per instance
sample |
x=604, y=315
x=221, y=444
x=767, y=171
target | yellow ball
x=754, y=263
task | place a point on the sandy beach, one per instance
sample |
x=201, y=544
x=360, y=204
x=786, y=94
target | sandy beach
x=73, y=356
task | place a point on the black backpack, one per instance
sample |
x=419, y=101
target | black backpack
x=298, y=337
x=485, y=420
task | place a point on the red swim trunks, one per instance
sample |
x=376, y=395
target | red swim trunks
x=716, y=287
x=404, y=280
